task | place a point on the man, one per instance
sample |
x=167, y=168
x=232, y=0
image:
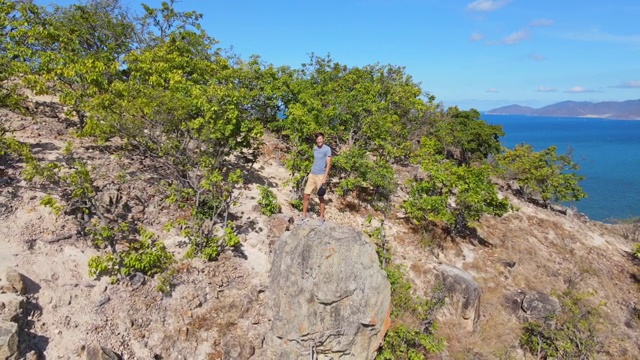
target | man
x=317, y=179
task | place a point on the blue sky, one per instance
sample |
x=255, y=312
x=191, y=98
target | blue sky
x=472, y=53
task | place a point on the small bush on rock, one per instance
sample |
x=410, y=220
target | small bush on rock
x=268, y=201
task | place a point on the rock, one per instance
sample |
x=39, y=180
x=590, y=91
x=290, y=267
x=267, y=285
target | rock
x=103, y=300
x=514, y=301
x=327, y=294
x=136, y=280
x=95, y=352
x=278, y=224
x=463, y=295
x=534, y=306
x=8, y=339
x=10, y=306
x=539, y=306
x=12, y=281
x=508, y=263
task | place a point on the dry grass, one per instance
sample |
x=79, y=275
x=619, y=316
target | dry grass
x=551, y=253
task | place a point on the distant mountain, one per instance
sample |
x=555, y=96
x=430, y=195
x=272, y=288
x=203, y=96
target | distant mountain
x=625, y=110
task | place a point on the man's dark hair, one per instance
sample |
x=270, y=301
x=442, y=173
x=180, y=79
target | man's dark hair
x=319, y=134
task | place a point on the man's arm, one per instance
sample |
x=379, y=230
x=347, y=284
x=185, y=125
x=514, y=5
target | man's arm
x=326, y=172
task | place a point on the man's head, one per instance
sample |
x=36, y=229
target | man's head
x=319, y=139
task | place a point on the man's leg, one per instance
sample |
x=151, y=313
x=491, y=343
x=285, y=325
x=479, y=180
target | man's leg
x=322, y=202
x=305, y=204
x=305, y=200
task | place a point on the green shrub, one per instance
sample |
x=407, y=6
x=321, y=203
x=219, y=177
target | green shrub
x=457, y=195
x=211, y=247
x=571, y=334
x=543, y=174
x=402, y=342
x=296, y=204
x=145, y=255
x=52, y=203
x=268, y=201
x=408, y=341
x=463, y=132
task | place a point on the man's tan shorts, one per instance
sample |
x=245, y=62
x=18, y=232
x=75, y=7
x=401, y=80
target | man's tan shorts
x=313, y=182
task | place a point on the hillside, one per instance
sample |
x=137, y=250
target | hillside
x=624, y=110
x=148, y=200
x=217, y=308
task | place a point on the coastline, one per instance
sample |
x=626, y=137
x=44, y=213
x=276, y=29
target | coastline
x=588, y=116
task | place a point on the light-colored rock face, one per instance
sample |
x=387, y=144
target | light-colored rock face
x=8, y=339
x=328, y=295
x=11, y=288
x=463, y=295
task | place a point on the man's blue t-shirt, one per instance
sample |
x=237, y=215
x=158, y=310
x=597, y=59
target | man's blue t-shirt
x=320, y=156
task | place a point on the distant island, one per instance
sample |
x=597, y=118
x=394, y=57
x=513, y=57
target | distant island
x=622, y=110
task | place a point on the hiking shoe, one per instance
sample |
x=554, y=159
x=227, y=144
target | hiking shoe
x=302, y=220
x=320, y=221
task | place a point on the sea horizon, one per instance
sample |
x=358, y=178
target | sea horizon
x=599, y=117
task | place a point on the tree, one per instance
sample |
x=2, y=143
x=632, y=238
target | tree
x=367, y=115
x=457, y=195
x=9, y=22
x=74, y=52
x=465, y=136
x=186, y=106
x=542, y=175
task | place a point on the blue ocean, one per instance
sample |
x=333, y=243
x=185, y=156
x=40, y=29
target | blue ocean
x=608, y=152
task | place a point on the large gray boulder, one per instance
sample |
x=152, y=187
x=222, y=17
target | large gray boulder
x=463, y=296
x=328, y=296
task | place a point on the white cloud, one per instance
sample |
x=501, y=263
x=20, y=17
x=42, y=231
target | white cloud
x=487, y=5
x=545, y=89
x=633, y=84
x=542, y=22
x=492, y=90
x=579, y=89
x=476, y=37
x=536, y=57
x=516, y=37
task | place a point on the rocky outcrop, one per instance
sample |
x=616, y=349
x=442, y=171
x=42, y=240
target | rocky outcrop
x=329, y=298
x=8, y=339
x=463, y=295
x=11, y=288
x=533, y=306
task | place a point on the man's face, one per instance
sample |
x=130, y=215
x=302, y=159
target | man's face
x=320, y=141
